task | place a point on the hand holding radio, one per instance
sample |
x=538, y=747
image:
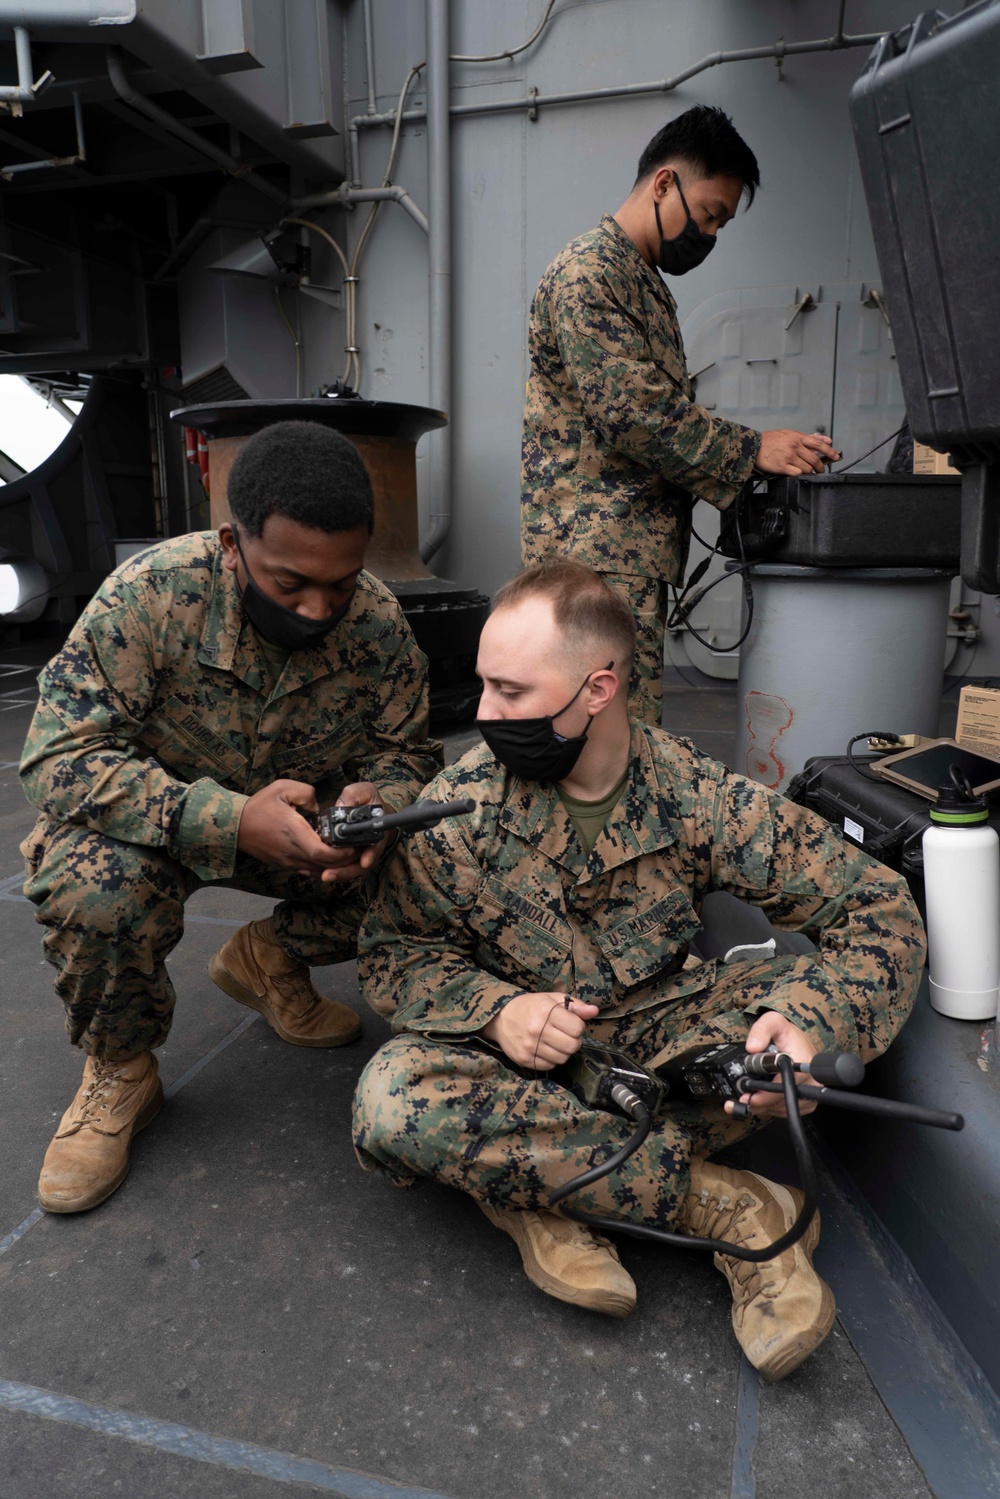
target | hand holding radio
x=775, y=1031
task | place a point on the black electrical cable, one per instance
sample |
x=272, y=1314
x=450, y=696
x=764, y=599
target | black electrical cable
x=644, y=1120
x=707, y=545
x=679, y=614
x=803, y=1157
x=871, y=734
x=967, y=673
x=855, y=461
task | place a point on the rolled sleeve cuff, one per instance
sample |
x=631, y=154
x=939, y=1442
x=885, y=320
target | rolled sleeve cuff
x=206, y=838
x=722, y=489
x=816, y=1002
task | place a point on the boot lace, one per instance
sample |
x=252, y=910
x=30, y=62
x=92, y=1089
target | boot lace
x=97, y=1095
x=712, y=1216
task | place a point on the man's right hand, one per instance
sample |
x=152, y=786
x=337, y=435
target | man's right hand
x=786, y=452
x=537, y=1031
x=273, y=830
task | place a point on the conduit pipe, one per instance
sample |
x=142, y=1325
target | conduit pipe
x=10, y=172
x=129, y=95
x=439, y=267
x=346, y=196
x=24, y=91
x=67, y=12
x=777, y=50
x=370, y=58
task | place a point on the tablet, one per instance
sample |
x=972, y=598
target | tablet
x=924, y=769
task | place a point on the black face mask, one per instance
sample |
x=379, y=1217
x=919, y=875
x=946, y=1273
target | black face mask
x=530, y=747
x=687, y=249
x=280, y=626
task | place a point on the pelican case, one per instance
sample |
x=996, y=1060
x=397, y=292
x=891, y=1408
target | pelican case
x=847, y=520
x=885, y=820
x=926, y=117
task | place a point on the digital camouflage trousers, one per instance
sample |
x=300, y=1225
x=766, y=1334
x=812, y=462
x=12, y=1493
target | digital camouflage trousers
x=466, y=1116
x=113, y=911
x=647, y=598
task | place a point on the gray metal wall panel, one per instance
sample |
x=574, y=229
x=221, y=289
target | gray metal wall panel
x=523, y=189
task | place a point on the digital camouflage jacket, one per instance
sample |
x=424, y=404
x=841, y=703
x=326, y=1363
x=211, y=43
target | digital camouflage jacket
x=614, y=446
x=157, y=719
x=503, y=902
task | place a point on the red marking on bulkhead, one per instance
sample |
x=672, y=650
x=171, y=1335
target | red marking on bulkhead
x=767, y=719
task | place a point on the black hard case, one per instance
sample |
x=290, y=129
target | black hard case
x=926, y=116
x=892, y=820
x=848, y=520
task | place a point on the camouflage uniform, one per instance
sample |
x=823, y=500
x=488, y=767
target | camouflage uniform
x=614, y=448
x=503, y=902
x=157, y=720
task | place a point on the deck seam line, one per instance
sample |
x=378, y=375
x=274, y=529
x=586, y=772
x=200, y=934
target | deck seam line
x=210, y=1056
x=202, y=1447
x=744, y=1485
x=28, y=1223
x=22, y=1228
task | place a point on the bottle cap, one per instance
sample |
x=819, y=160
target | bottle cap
x=957, y=804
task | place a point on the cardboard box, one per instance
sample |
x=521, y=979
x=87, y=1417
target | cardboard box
x=978, y=727
x=929, y=461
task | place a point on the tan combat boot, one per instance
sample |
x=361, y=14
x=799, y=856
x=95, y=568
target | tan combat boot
x=568, y=1260
x=254, y=968
x=782, y=1311
x=89, y=1155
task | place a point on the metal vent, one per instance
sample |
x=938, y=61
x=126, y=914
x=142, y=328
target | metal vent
x=219, y=385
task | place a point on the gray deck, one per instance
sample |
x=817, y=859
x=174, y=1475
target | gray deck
x=252, y=1315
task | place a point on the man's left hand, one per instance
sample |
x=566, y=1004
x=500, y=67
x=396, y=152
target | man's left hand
x=772, y=1029
x=354, y=862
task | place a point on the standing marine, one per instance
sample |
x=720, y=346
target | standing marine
x=615, y=448
x=215, y=692
x=569, y=904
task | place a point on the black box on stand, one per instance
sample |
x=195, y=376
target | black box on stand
x=847, y=520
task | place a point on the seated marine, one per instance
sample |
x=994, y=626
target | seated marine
x=565, y=906
x=215, y=689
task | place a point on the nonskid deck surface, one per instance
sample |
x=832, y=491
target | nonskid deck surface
x=251, y=1314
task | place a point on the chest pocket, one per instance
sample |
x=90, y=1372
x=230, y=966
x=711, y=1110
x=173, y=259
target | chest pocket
x=522, y=941
x=324, y=755
x=652, y=943
x=182, y=740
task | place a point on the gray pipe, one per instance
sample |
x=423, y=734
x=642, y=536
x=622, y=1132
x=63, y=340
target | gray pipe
x=370, y=58
x=67, y=12
x=627, y=90
x=345, y=196
x=9, y=173
x=439, y=266
x=125, y=92
x=25, y=90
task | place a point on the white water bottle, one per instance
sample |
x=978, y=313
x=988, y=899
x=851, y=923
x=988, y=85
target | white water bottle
x=962, y=892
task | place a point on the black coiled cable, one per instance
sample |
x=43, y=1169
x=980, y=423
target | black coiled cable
x=803, y=1157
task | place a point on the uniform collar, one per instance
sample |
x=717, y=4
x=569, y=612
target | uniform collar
x=627, y=246
x=229, y=641
x=533, y=811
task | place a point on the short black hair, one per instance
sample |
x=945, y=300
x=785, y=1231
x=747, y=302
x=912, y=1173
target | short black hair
x=309, y=473
x=708, y=141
